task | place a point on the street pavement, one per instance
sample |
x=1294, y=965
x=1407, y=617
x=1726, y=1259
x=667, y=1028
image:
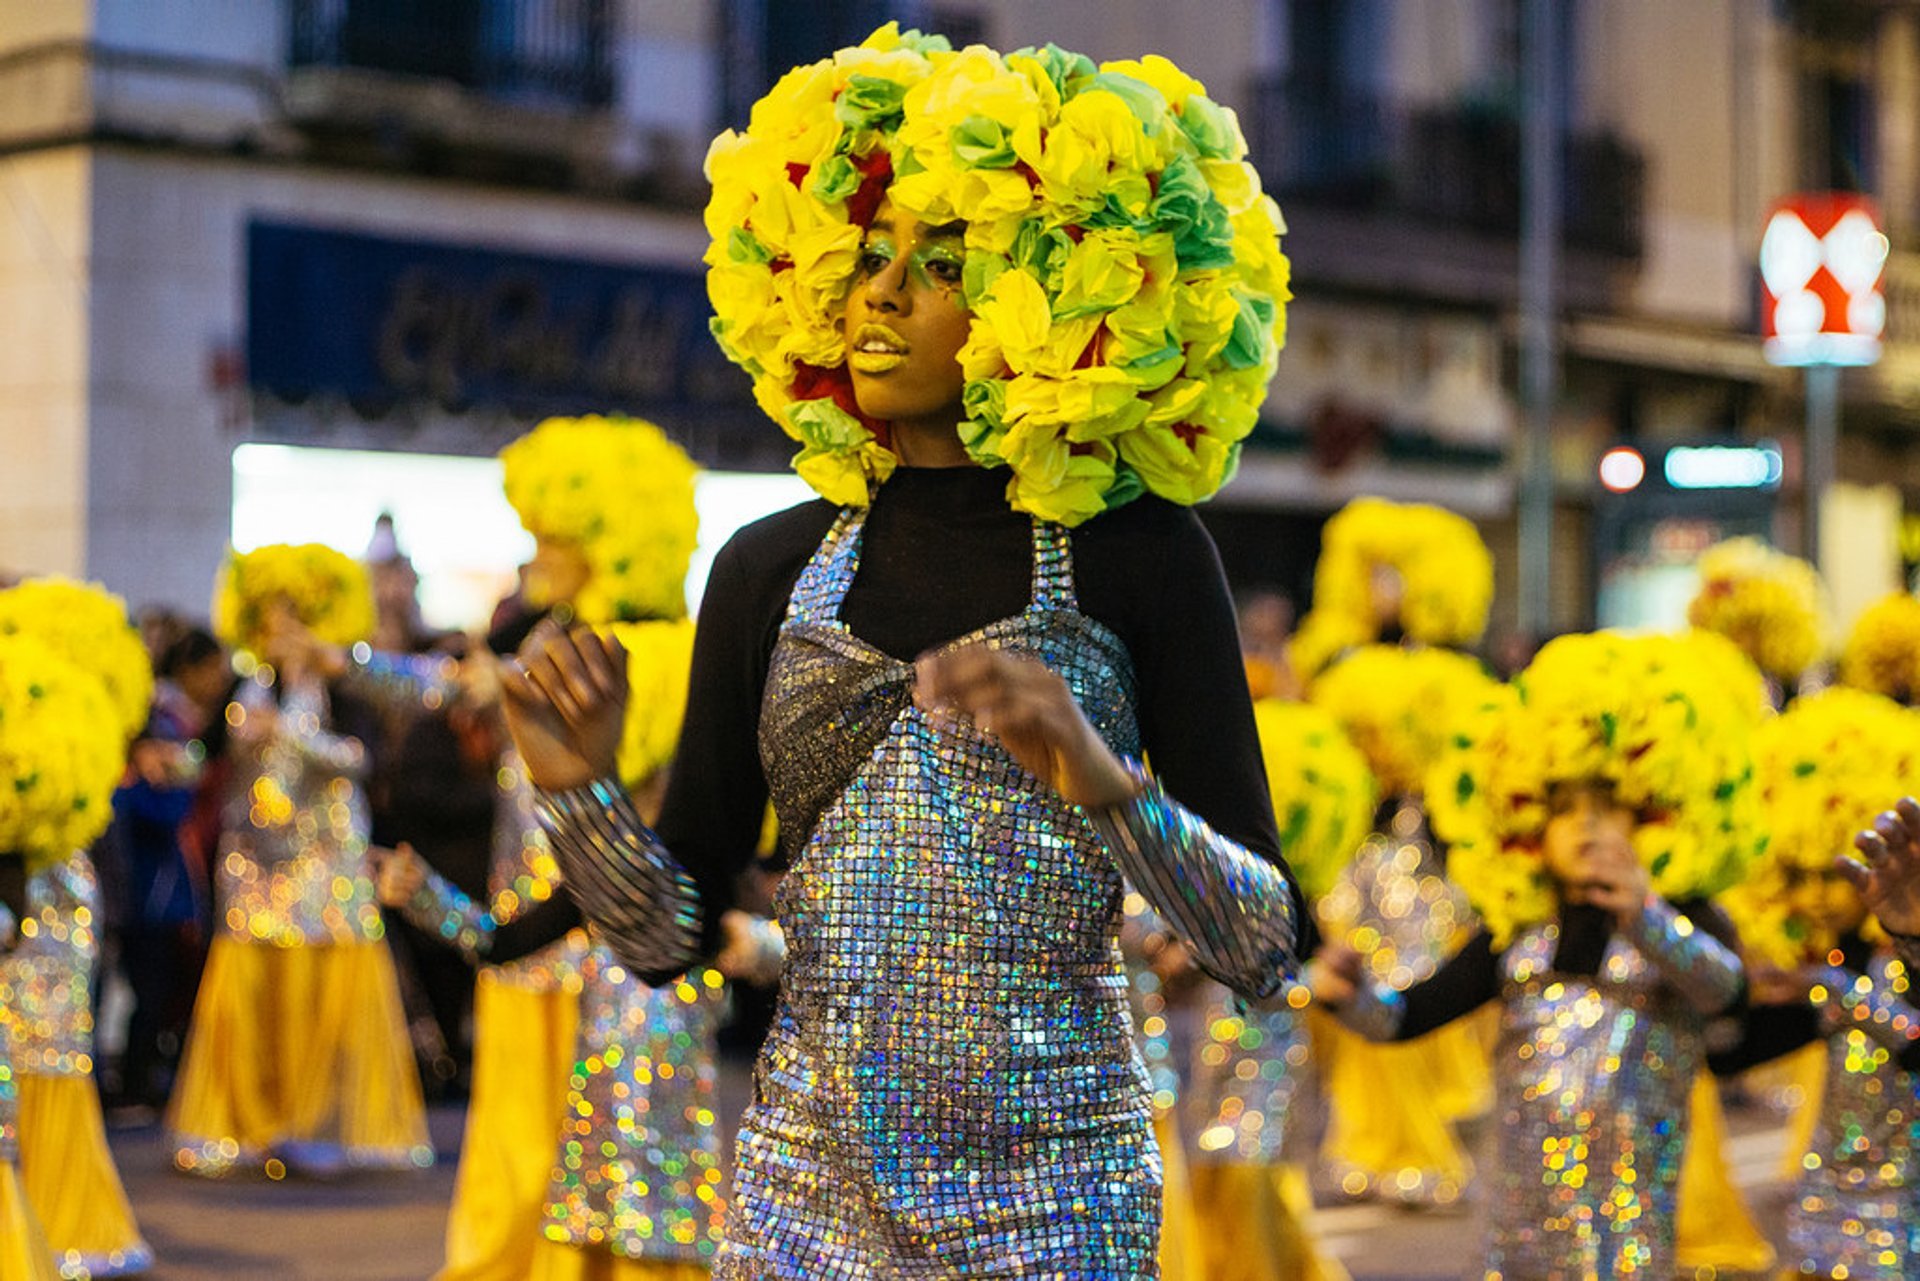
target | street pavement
x=388, y=1227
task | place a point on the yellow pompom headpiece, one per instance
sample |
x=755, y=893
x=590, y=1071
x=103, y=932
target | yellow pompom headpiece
x=1827, y=765
x=1882, y=653
x=622, y=492
x=659, y=668
x=1323, y=793
x=1400, y=707
x=1651, y=715
x=1122, y=265
x=87, y=625
x=1444, y=569
x=1770, y=604
x=328, y=590
x=61, y=752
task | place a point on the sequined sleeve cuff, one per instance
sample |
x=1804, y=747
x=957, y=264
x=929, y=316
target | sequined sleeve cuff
x=1375, y=1012
x=1702, y=969
x=1880, y=1010
x=404, y=681
x=442, y=909
x=1232, y=907
x=632, y=889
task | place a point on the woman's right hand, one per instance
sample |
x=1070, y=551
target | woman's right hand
x=1889, y=877
x=1334, y=974
x=566, y=702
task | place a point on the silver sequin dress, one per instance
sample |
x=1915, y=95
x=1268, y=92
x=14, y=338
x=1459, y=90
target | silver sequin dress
x=950, y=1086
x=1856, y=1206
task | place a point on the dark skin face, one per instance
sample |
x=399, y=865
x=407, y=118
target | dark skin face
x=905, y=323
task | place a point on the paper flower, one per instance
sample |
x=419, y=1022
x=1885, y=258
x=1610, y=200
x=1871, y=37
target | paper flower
x=1882, y=653
x=328, y=590
x=1122, y=266
x=1650, y=715
x=621, y=492
x=87, y=625
x=1400, y=706
x=1770, y=604
x=61, y=752
x=1323, y=794
x=1826, y=767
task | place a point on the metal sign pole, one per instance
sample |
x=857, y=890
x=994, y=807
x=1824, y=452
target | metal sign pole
x=1822, y=443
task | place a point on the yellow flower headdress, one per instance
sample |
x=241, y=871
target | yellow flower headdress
x=329, y=592
x=1122, y=265
x=1323, y=793
x=1650, y=714
x=1882, y=653
x=1826, y=766
x=87, y=625
x=623, y=493
x=1400, y=706
x=659, y=665
x=1770, y=604
x=61, y=752
x=1444, y=568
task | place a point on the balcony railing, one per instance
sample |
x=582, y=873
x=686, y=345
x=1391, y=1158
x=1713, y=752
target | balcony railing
x=553, y=53
x=1454, y=165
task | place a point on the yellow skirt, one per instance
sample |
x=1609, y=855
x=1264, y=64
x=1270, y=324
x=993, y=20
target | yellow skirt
x=523, y=1051
x=1714, y=1231
x=1794, y=1084
x=1182, y=1254
x=298, y=1054
x=553, y=1261
x=68, y=1175
x=24, y=1252
x=1257, y=1223
x=1385, y=1132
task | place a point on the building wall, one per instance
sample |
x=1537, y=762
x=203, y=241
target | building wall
x=45, y=235
x=168, y=304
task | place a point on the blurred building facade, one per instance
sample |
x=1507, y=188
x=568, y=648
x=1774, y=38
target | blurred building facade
x=419, y=225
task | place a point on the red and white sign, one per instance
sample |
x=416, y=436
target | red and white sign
x=1821, y=261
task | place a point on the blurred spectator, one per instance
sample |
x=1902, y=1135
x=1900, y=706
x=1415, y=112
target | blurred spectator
x=161, y=877
x=1266, y=624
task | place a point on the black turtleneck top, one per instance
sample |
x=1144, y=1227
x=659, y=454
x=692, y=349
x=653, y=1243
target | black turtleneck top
x=942, y=555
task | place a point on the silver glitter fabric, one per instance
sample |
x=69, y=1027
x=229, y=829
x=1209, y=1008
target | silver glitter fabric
x=292, y=867
x=640, y=900
x=1253, y=1080
x=9, y=1088
x=638, y=1169
x=950, y=1085
x=50, y=972
x=1593, y=1077
x=1395, y=903
x=1856, y=1208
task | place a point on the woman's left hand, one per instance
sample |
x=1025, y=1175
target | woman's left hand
x=1024, y=704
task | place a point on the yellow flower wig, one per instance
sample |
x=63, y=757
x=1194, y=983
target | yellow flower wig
x=329, y=591
x=1323, y=793
x=1122, y=267
x=62, y=750
x=1444, y=568
x=1882, y=653
x=621, y=492
x=1827, y=765
x=1401, y=707
x=87, y=625
x=1770, y=604
x=659, y=668
x=1649, y=714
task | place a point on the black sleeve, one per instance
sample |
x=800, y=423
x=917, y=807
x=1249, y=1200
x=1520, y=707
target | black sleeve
x=527, y=933
x=716, y=793
x=1468, y=980
x=1766, y=1033
x=1196, y=715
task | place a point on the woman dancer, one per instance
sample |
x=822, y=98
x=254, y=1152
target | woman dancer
x=1029, y=262
x=298, y=1051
